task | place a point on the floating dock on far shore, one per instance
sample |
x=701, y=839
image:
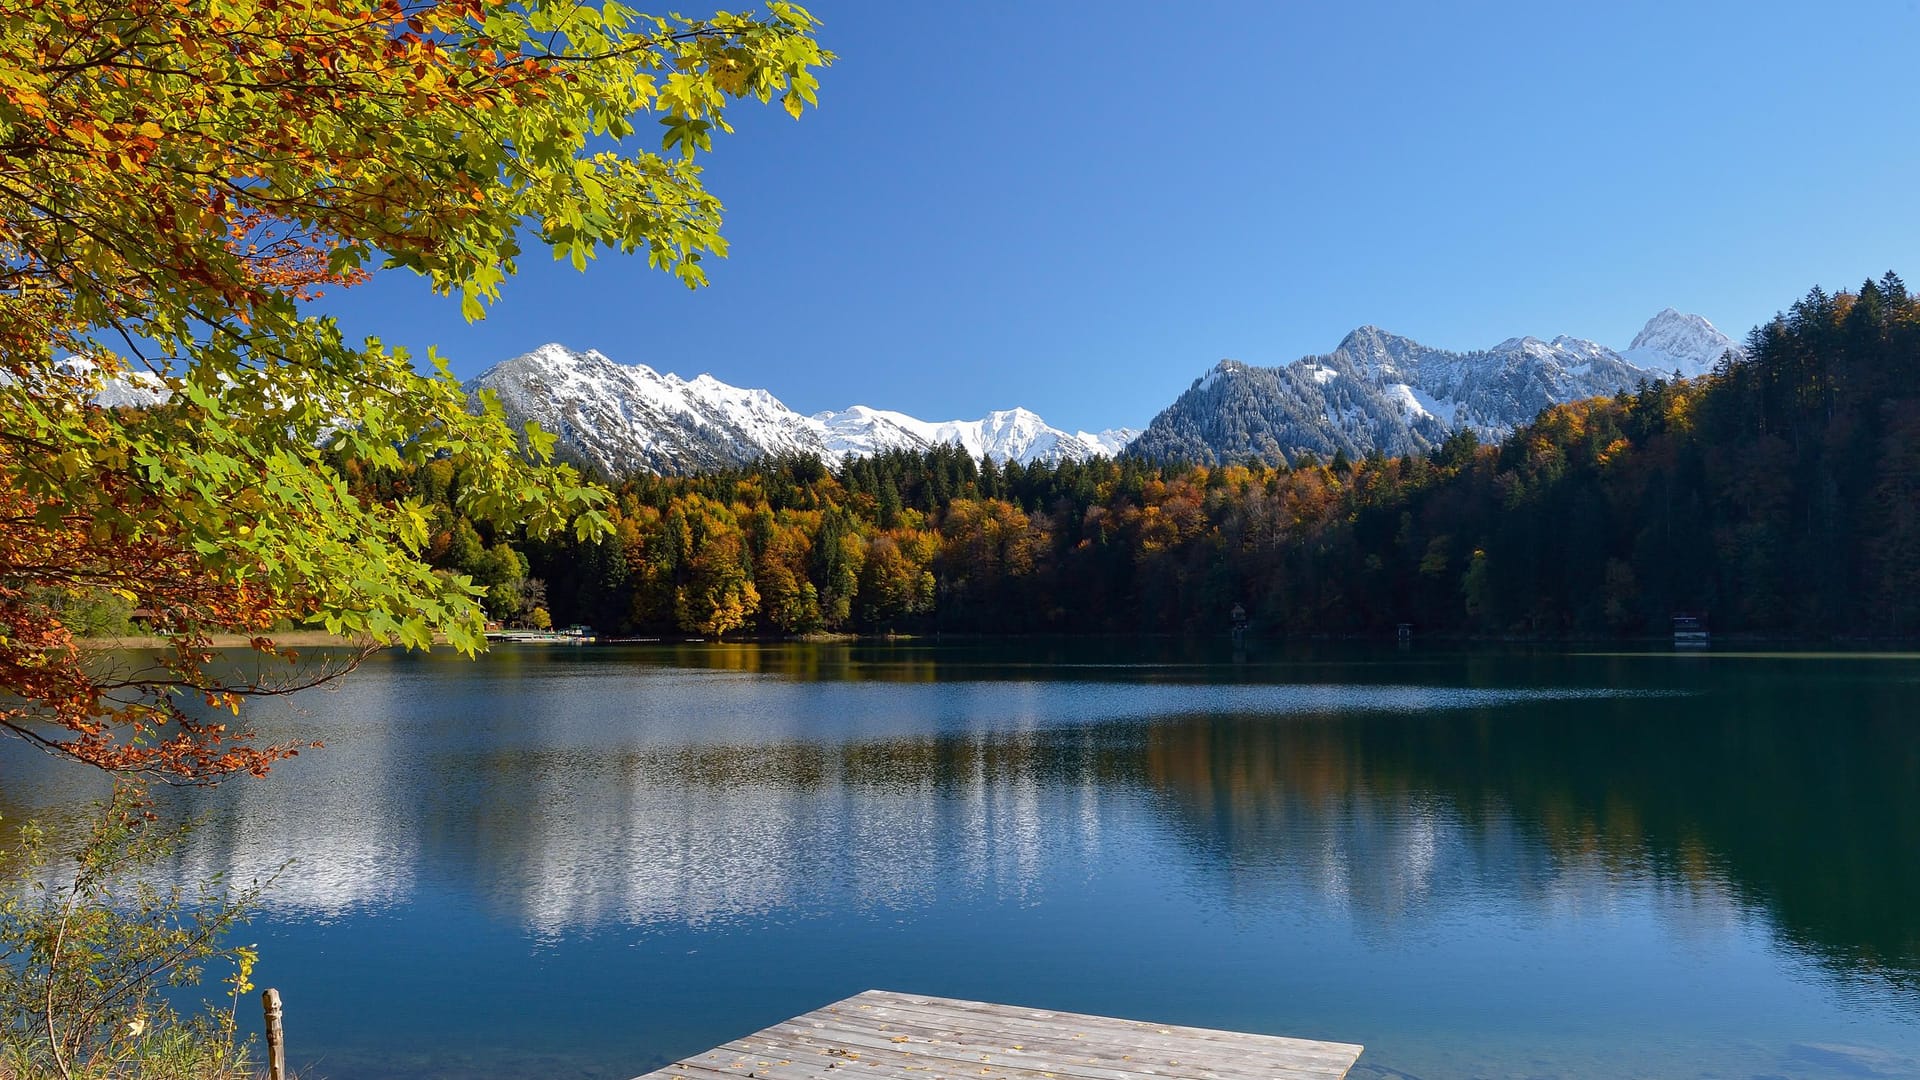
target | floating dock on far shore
x=879, y=1035
x=571, y=635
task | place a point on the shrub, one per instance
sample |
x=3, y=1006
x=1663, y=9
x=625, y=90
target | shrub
x=91, y=943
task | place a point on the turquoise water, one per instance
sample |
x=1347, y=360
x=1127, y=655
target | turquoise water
x=585, y=862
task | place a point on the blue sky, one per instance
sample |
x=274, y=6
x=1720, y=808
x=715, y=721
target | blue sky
x=1081, y=207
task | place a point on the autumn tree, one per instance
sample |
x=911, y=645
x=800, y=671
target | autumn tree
x=987, y=545
x=719, y=596
x=176, y=178
x=716, y=593
x=789, y=602
x=896, y=581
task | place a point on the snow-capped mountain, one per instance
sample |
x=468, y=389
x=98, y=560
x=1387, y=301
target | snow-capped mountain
x=625, y=418
x=628, y=418
x=1008, y=435
x=1382, y=391
x=1672, y=341
x=1376, y=390
x=864, y=432
x=114, y=389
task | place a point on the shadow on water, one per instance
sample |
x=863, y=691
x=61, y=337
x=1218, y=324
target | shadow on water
x=1806, y=808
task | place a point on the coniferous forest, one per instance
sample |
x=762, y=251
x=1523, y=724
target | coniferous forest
x=1778, y=495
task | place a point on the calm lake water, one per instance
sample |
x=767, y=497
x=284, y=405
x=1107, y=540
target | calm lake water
x=585, y=862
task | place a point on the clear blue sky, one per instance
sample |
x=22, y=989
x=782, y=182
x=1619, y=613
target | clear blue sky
x=1081, y=207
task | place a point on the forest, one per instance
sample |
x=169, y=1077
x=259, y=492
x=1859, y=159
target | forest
x=1778, y=495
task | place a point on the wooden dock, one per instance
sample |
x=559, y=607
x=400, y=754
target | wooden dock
x=879, y=1035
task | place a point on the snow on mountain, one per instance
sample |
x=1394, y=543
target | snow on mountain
x=627, y=418
x=1009, y=435
x=863, y=432
x=1110, y=441
x=1376, y=390
x=1379, y=390
x=133, y=389
x=1672, y=341
x=114, y=389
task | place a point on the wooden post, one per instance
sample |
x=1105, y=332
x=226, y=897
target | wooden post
x=276, y=1040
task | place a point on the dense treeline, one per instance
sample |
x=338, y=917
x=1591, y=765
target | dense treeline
x=1780, y=494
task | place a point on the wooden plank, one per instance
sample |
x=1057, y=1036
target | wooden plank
x=1110, y=1065
x=1141, y=1042
x=787, y=1062
x=1072, y=1051
x=880, y=1035
x=972, y=1017
x=1126, y=1051
x=952, y=1006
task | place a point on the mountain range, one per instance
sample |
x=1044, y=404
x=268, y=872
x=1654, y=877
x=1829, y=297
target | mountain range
x=1376, y=390
x=624, y=418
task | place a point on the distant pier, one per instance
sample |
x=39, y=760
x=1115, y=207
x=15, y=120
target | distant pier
x=1690, y=631
x=878, y=1035
x=571, y=635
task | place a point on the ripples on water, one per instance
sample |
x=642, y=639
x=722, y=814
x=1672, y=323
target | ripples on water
x=584, y=863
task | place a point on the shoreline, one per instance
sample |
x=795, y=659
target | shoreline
x=1730, y=642
x=298, y=639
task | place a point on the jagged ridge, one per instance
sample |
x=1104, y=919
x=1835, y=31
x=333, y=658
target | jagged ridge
x=1379, y=390
x=620, y=419
x=1376, y=390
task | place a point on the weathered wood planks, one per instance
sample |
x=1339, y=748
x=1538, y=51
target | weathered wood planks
x=879, y=1035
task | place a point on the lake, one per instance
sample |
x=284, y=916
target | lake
x=583, y=862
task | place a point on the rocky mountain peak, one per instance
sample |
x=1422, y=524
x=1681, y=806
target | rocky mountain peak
x=1382, y=391
x=1676, y=341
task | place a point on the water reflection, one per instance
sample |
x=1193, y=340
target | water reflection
x=1412, y=804
x=1802, y=802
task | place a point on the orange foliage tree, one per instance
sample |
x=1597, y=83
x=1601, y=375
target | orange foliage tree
x=176, y=178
